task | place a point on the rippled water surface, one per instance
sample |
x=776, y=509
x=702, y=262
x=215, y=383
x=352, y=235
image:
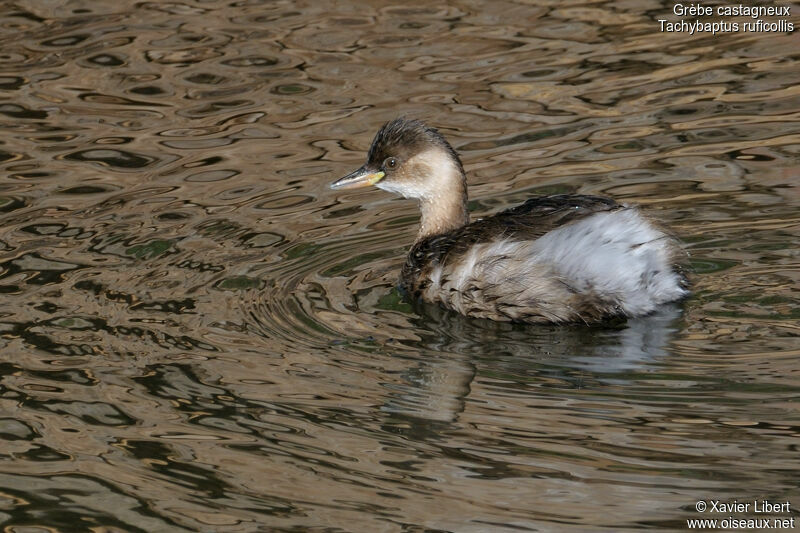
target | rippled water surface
x=197, y=334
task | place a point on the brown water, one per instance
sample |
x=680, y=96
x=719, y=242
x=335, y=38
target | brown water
x=196, y=334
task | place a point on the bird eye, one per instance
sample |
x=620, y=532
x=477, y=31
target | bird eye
x=390, y=163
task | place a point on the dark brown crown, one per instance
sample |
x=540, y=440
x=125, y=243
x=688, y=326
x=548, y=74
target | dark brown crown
x=404, y=138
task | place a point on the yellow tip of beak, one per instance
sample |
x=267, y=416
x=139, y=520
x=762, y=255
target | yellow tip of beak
x=359, y=178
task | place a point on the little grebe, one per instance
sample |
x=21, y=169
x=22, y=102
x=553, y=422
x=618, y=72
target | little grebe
x=561, y=258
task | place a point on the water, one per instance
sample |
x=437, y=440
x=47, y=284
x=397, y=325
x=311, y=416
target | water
x=197, y=335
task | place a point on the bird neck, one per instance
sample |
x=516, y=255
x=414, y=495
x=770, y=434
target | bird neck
x=445, y=212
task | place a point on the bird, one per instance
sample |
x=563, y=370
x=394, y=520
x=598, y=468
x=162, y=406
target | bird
x=564, y=258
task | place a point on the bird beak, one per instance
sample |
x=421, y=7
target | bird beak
x=358, y=178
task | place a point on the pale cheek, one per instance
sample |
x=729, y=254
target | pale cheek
x=406, y=183
x=405, y=189
x=430, y=176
